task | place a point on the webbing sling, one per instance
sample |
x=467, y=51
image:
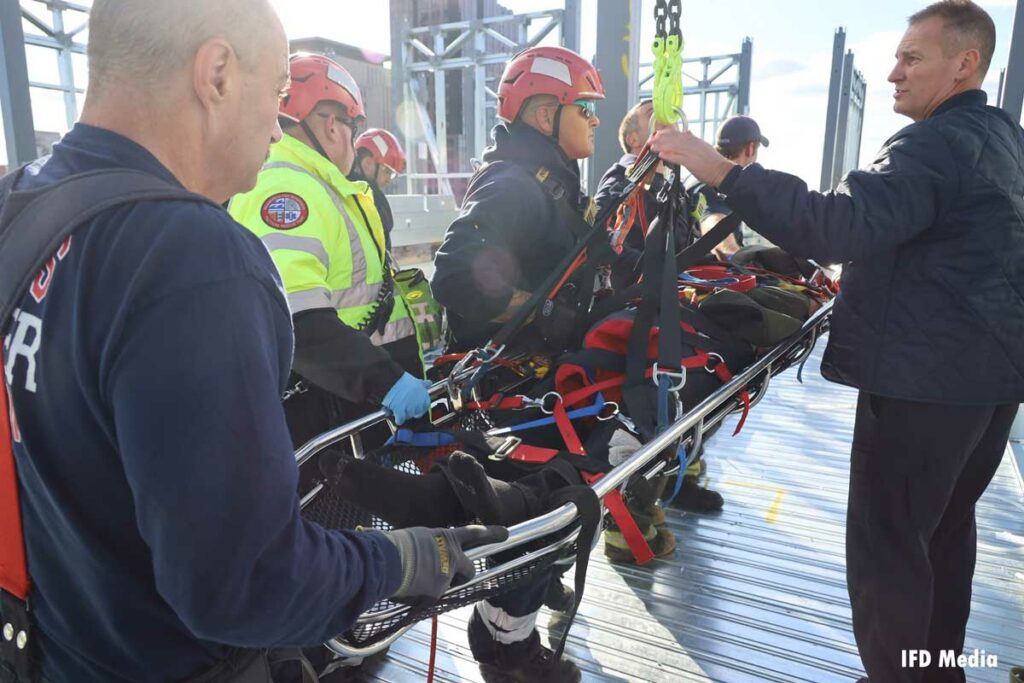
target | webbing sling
x=33, y=224
x=591, y=236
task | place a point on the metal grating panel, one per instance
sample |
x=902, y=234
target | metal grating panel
x=757, y=592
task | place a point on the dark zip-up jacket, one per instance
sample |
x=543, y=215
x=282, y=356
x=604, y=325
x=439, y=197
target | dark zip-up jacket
x=508, y=235
x=931, y=236
x=157, y=477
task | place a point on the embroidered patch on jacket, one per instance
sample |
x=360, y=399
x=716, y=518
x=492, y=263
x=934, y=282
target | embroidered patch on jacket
x=284, y=211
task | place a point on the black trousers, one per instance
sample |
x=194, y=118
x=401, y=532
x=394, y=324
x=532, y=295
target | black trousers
x=916, y=472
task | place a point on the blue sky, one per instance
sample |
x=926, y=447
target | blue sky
x=791, y=59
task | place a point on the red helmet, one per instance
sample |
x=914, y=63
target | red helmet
x=383, y=147
x=546, y=71
x=316, y=78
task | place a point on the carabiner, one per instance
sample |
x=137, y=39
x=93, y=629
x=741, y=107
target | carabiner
x=680, y=376
x=684, y=123
x=709, y=367
x=609, y=411
x=494, y=354
x=544, y=402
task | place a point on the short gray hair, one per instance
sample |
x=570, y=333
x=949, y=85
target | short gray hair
x=535, y=102
x=136, y=40
x=966, y=25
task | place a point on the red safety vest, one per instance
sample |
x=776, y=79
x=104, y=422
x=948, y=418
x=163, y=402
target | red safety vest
x=13, y=568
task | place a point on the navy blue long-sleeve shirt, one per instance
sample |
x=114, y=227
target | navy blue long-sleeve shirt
x=157, y=480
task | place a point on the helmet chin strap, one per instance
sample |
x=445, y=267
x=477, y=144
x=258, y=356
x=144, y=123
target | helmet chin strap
x=558, y=122
x=316, y=141
x=313, y=138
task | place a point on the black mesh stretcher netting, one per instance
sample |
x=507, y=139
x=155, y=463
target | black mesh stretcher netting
x=386, y=617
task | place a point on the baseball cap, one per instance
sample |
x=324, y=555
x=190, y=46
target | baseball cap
x=739, y=130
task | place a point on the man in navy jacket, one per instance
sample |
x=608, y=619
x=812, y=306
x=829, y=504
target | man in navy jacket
x=145, y=367
x=928, y=326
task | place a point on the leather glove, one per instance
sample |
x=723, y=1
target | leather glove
x=433, y=559
x=407, y=398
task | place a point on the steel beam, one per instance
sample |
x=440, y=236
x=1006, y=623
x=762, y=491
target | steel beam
x=1013, y=86
x=843, y=122
x=67, y=73
x=746, y=62
x=832, y=113
x=401, y=10
x=571, y=21
x=478, y=104
x=618, y=35
x=440, y=110
x=15, y=101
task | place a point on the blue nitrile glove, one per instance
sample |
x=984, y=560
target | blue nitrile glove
x=408, y=398
x=434, y=560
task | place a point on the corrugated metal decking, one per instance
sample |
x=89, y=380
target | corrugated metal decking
x=757, y=592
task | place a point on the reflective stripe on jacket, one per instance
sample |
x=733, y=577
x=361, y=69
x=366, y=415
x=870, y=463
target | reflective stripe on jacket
x=325, y=236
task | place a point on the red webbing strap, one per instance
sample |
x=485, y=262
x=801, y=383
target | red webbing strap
x=532, y=454
x=580, y=260
x=13, y=568
x=638, y=545
x=642, y=216
x=725, y=376
x=569, y=435
x=433, y=649
x=698, y=360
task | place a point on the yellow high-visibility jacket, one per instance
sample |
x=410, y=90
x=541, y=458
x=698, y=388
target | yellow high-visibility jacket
x=325, y=236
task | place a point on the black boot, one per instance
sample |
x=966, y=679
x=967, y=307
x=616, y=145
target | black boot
x=492, y=501
x=523, y=662
x=695, y=498
x=399, y=498
x=559, y=597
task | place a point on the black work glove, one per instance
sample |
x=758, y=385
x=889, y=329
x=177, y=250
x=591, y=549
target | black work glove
x=433, y=559
x=558, y=322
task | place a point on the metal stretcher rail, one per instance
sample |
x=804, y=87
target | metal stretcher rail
x=707, y=413
x=532, y=529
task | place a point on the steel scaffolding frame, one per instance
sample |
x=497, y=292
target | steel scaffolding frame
x=438, y=49
x=15, y=85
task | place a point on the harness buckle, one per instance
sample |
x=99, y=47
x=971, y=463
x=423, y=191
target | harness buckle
x=679, y=376
x=506, y=449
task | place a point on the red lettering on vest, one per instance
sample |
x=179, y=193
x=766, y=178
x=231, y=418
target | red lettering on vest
x=42, y=282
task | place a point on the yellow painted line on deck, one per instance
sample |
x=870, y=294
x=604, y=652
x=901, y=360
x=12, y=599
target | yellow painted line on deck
x=773, y=510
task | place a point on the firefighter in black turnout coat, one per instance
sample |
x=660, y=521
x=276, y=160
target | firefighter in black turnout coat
x=511, y=234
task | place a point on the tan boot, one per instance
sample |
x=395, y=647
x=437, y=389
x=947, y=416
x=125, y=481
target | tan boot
x=660, y=539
